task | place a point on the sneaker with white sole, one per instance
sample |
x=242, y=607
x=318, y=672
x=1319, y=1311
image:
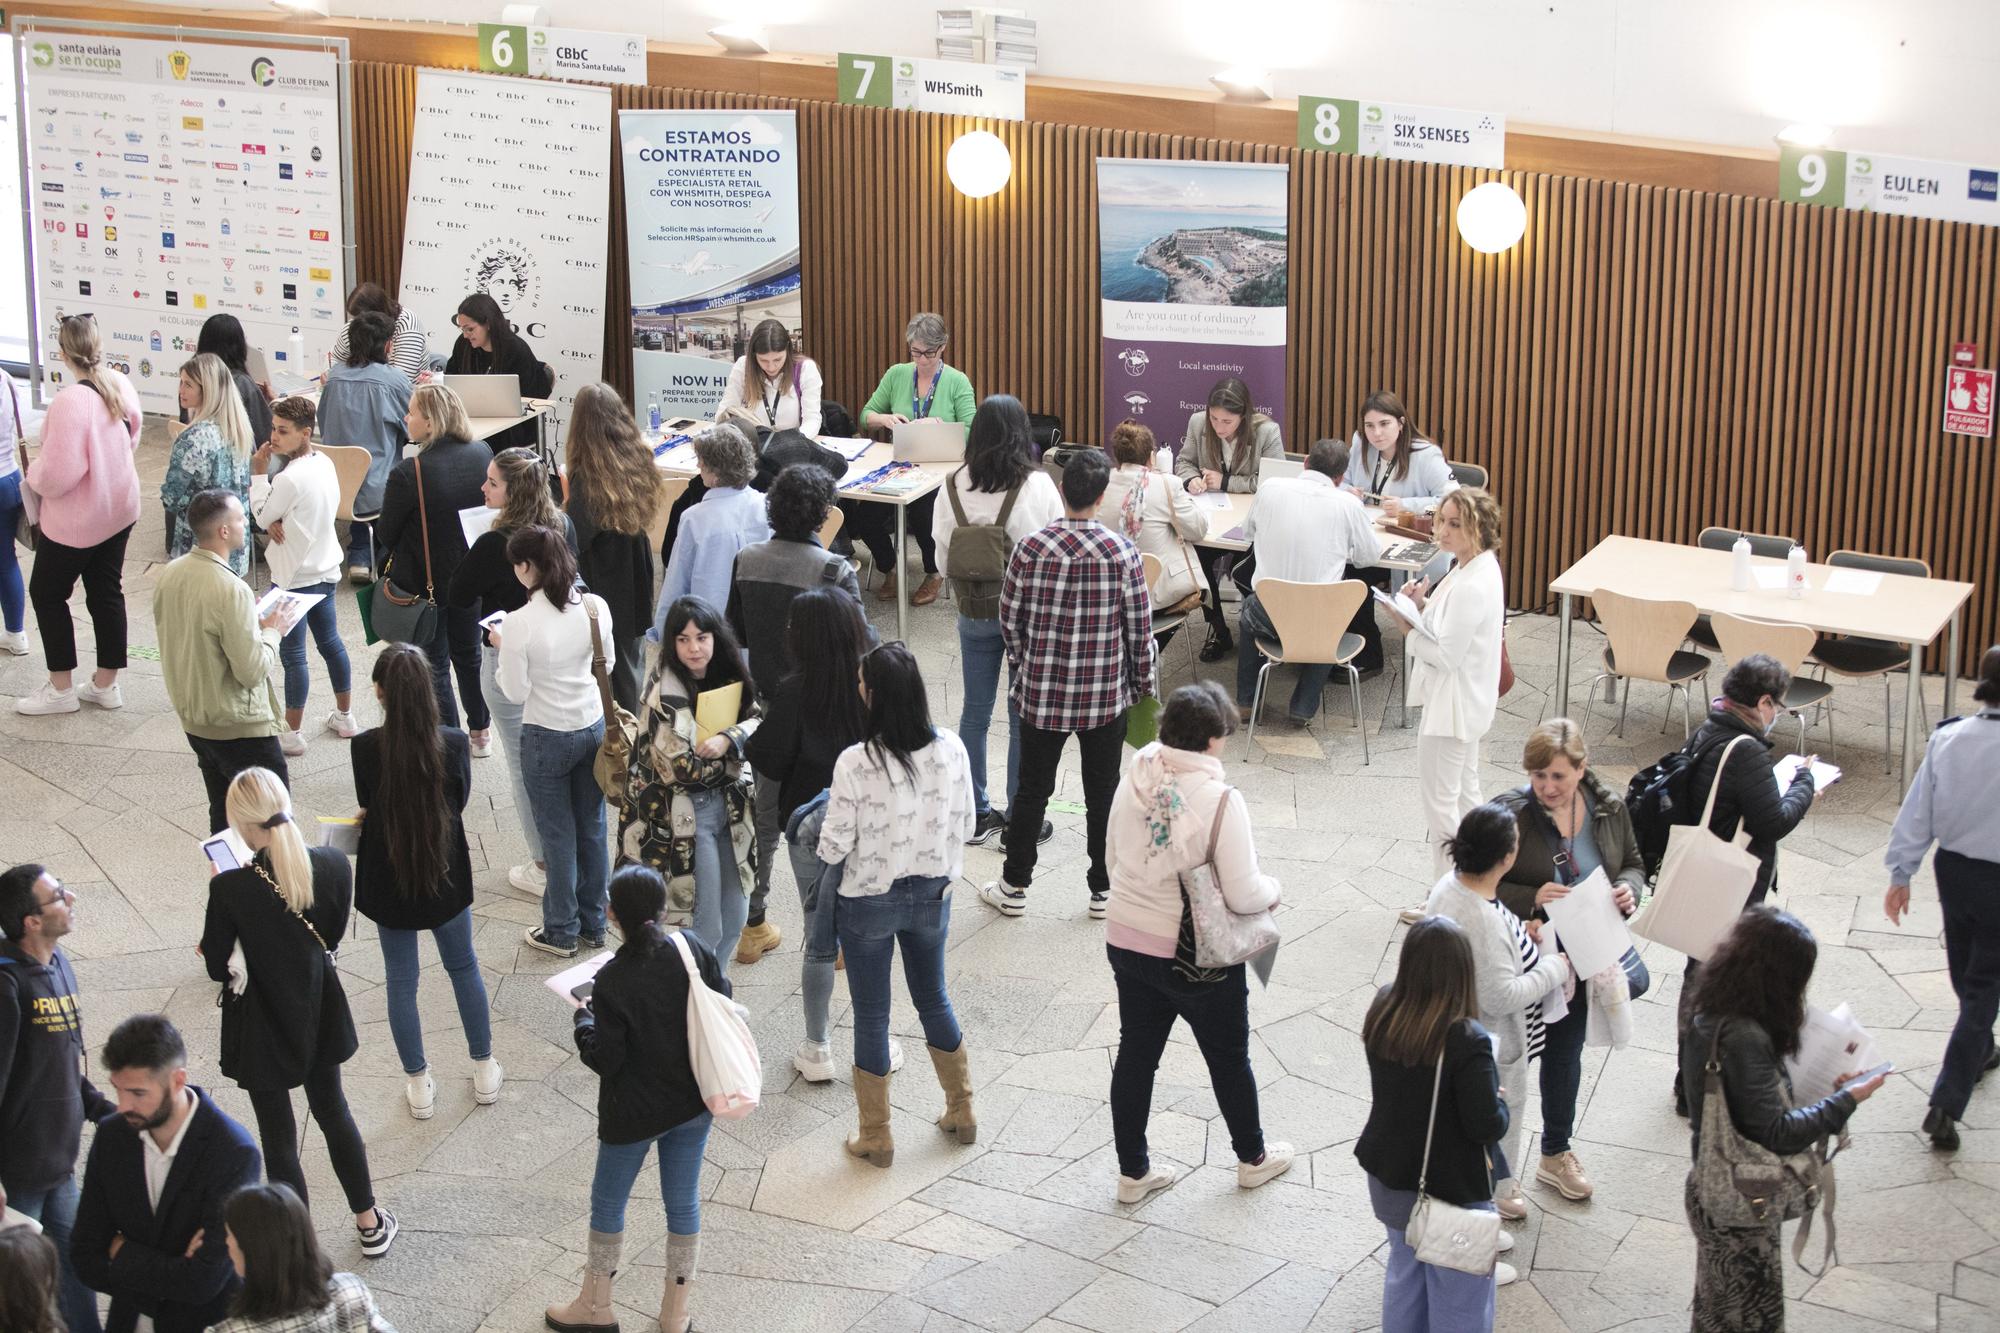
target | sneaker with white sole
x=895, y=1055
x=480, y=743
x=814, y=1061
x=1503, y=1274
x=534, y=938
x=292, y=743
x=104, y=696
x=342, y=724
x=1564, y=1174
x=46, y=700
x=1100, y=905
x=376, y=1240
x=1513, y=1206
x=487, y=1076
x=529, y=878
x=1003, y=898
x=1506, y=1241
x=1276, y=1161
x=984, y=828
x=420, y=1091
x=14, y=644
x=1134, y=1191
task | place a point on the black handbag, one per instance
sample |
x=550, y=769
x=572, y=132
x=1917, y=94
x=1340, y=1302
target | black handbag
x=408, y=617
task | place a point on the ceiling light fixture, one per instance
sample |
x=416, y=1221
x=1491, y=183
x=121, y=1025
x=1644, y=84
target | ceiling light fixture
x=741, y=39
x=1244, y=84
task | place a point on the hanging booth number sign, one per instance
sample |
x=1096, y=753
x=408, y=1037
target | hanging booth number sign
x=562, y=53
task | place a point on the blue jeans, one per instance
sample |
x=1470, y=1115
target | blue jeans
x=324, y=623
x=1562, y=1060
x=819, y=949
x=619, y=1164
x=1251, y=621
x=720, y=909
x=507, y=721
x=13, y=593
x=55, y=1209
x=569, y=811
x=400, y=970
x=980, y=654
x=456, y=645
x=916, y=911
x=1424, y=1298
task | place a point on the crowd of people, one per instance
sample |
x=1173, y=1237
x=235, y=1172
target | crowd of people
x=660, y=749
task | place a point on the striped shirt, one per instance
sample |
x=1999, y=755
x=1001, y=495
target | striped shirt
x=1530, y=955
x=1078, y=625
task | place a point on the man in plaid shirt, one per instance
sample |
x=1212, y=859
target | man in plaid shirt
x=1078, y=626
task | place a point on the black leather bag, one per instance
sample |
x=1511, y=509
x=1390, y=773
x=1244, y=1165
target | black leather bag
x=408, y=617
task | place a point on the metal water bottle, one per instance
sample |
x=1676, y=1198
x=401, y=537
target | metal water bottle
x=1795, y=573
x=1739, y=567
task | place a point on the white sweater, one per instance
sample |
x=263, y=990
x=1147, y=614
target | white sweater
x=886, y=826
x=545, y=662
x=798, y=410
x=1038, y=505
x=1455, y=673
x=306, y=496
x=1168, y=520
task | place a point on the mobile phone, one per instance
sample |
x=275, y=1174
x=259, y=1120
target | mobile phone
x=1886, y=1067
x=581, y=993
x=218, y=851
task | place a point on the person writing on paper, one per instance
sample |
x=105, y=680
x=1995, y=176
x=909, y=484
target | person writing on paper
x=1174, y=812
x=409, y=346
x=1952, y=802
x=612, y=493
x=924, y=387
x=304, y=553
x=730, y=517
x=1570, y=824
x=1745, y=1014
x=772, y=386
x=1514, y=977
x=489, y=345
x=1430, y=1064
x=691, y=813
x=633, y=1033
x=1157, y=515
x=213, y=453
x=366, y=403
x=1221, y=451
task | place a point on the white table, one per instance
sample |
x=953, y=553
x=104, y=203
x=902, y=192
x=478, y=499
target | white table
x=485, y=428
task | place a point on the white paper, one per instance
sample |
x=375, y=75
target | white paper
x=1830, y=1044
x=680, y=458
x=476, y=522
x=1405, y=609
x=11, y=1219
x=1212, y=500
x=1589, y=924
x=1824, y=775
x=567, y=980
x=1771, y=577
x=1853, y=582
x=848, y=448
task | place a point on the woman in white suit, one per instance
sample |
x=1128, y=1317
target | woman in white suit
x=1455, y=661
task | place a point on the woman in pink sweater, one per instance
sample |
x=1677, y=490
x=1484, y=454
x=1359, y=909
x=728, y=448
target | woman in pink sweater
x=89, y=492
x=1162, y=819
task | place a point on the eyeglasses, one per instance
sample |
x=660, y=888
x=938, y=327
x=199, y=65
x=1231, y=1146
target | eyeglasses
x=63, y=895
x=925, y=353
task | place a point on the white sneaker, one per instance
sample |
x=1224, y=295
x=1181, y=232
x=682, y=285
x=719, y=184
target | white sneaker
x=292, y=743
x=1506, y=1241
x=480, y=743
x=1003, y=898
x=109, y=696
x=342, y=724
x=1134, y=1191
x=487, y=1075
x=47, y=699
x=1277, y=1161
x=895, y=1055
x=420, y=1091
x=15, y=643
x=1503, y=1274
x=814, y=1061
x=529, y=878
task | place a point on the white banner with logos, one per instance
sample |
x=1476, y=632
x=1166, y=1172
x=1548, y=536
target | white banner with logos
x=171, y=181
x=712, y=244
x=510, y=194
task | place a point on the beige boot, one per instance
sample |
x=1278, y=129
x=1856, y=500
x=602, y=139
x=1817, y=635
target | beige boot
x=682, y=1258
x=871, y=1143
x=591, y=1311
x=956, y=1080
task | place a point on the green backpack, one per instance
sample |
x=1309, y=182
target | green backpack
x=977, y=556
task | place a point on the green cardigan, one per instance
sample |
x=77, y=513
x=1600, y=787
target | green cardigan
x=954, y=399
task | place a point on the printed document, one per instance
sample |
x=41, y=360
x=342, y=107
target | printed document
x=1830, y=1044
x=1824, y=775
x=1589, y=924
x=292, y=606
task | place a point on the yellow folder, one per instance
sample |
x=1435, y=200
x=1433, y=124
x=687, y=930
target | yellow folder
x=717, y=710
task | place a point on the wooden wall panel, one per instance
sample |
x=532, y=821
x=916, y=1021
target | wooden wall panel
x=1648, y=360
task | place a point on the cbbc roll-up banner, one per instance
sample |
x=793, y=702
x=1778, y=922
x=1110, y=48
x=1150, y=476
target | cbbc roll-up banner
x=1193, y=270
x=712, y=237
x=510, y=194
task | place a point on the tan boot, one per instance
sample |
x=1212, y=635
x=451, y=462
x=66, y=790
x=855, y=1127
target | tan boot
x=871, y=1143
x=756, y=941
x=591, y=1311
x=956, y=1080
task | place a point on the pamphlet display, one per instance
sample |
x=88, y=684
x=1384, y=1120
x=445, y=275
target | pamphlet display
x=170, y=180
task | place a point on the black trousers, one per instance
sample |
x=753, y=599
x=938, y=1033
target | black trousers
x=874, y=526
x=1151, y=995
x=696, y=488
x=1041, y=754
x=1969, y=892
x=279, y=1131
x=102, y=569
x=221, y=761
x=456, y=647
x=1364, y=622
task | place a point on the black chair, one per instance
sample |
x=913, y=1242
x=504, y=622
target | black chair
x=1858, y=657
x=1723, y=539
x=1468, y=474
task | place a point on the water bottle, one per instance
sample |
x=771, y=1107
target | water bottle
x=653, y=412
x=1739, y=570
x=1795, y=573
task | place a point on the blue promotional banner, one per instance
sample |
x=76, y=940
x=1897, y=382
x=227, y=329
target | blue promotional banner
x=712, y=244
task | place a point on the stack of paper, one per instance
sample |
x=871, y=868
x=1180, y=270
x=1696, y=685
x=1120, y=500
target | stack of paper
x=969, y=49
x=1824, y=775
x=849, y=448
x=1830, y=1044
x=1589, y=924
x=343, y=835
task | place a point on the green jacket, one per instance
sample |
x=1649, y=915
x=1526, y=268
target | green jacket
x=953, y=399
x=216, y=660
x=1534, y=860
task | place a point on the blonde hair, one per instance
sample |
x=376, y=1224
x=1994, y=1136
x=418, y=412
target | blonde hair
x=1557, y=736
x=257, y=800
x=529, y=504
x=1479, y=512
x=220, y=403
x=611, y=471
x=445, y=410
x=80, y=347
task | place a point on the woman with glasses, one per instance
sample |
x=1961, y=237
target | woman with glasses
x=922, y=387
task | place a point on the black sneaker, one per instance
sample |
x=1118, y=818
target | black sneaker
x=983, y=829
x=535, y=938
x=1048, y=831
x=1100, y=903
x=1943, y=1132
x=590, y=941
x=376, y=1240
x=1680, y=1100
x=1220, y=645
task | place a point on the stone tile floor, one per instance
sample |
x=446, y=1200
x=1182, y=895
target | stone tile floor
x=1023, y=1231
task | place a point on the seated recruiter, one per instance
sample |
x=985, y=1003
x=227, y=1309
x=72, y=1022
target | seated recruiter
x=730, y=517
x=925, y=387
x=1221, y=452
x=488, y=345
x=409, y=345
x=1392, y=464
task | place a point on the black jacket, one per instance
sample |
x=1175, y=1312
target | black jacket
x=484, y=580
x=44, y=1095
x=634, y=1034
x=514, y=357
x=783, y=448
x=1755, y=1086
x=454, y=470
x=766, y=577
x=1749, y=797
x=617, y=566
x=1471, y=1115
x=1534, y=860
x=151, y=1274
x=797, y=757
x=380, y=893
x=293, y=1017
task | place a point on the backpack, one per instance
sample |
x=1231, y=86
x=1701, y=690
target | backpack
x=1660, y=796
x=977, y=556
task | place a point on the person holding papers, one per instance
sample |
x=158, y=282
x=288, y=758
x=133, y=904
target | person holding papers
x=924, y=386
x=1393, y=465
x=772, y=387
x=1952, y=802
x=690, y=814
x=612, y=493
x=1224, y=445
x=305, y=558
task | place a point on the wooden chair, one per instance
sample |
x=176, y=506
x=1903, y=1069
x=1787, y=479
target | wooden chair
x=827, y=530
x=1162, y=623
x=1857, y=657
x=1762, y=544
x=1740, y=636
x=670, y=491
x=350, y=465
x=1642, y=642
x=1311, y=620
x=1468, y=474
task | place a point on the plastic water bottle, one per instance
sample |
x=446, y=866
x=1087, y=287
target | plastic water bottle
x=1739, y=570
x=653, y=412
x=1795, y=573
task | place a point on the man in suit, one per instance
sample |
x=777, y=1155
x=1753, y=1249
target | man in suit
x=149, y=1227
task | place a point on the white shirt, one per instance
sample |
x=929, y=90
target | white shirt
x=1038, y=505
x=306, y=495
x=545, y=662
x=795, y=410
x=1455, y=660
x=886, y=826
x=1307, y=530
x=159, y=1165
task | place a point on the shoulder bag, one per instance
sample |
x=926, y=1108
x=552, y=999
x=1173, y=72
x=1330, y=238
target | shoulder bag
x=613, y=765
x=1444, y=1234
x=407, y=617
x=1222, y=937
x=1704, y=882
x=721, y=1052
x=28, y=523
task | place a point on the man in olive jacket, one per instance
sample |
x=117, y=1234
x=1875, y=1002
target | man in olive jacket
x=216, y=655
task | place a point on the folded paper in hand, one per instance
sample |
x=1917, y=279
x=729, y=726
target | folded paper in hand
x=1591, y=927
x=1824, y=775
x=567, y=980
x=292, y=606
x=1830, y=1044
x=476, y=522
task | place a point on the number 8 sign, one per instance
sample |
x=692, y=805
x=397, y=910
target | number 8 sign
x=1815, y=176
x=1330, y=124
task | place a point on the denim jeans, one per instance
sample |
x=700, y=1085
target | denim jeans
x=915, y=912
x=819, y=949
x=569, y=811
x=55, y=1209
x=400, y=969
x=720, y=907
x=456, y=646
x=1425, y=1298
x=1252, y=621
x=507, y=721
x=980, y=654
x=1151, y=995
x=1562, y=1059
x=323, y=621
x=13, y=593
x=619, y=1164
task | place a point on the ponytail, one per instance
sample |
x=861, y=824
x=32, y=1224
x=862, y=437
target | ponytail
x=78, y=339
x=257, y=800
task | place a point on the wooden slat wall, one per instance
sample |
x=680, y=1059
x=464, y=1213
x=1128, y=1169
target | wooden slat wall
x=1647, y=361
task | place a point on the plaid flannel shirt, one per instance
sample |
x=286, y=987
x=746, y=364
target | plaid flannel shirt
x=1078, y=626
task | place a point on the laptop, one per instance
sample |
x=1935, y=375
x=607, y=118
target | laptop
x=487, y=395
x=1268, y=468
x=928, y=440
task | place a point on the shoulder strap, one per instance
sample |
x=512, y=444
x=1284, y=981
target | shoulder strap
x=424, y=524
x=1437, y=1086
x=598, y=662
x=1215, y=829
x=1708, y=811
x=951, y=493
x=687, y=956
x=1007, y=506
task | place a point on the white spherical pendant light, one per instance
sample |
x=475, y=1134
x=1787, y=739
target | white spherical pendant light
x=978, y=164
x=1492, y=217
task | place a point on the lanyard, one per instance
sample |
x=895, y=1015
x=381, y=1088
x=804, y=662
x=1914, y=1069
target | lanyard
x=921, y=407
x=771, y=403
x=1565, y=858
x=1381, y=473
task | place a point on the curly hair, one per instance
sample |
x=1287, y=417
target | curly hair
x=529, y=504
x=611, y=472
x=1480, y=513
x=727, y=452
x=798, y=502
x=1759, y=972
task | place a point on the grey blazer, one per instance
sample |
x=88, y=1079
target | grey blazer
x=1266, y=442
x=1505, y=991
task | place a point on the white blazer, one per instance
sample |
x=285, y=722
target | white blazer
x=1168, y=520
x=1455, y=671
x=796, y=410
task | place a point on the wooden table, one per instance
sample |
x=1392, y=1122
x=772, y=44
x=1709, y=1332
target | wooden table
x=1901, y=609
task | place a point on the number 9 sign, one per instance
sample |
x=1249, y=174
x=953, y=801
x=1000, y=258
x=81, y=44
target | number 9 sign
x=1815, y=176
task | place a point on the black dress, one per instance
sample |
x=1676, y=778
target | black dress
x=618, y=566
x=511, y=357
x=380, y=893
